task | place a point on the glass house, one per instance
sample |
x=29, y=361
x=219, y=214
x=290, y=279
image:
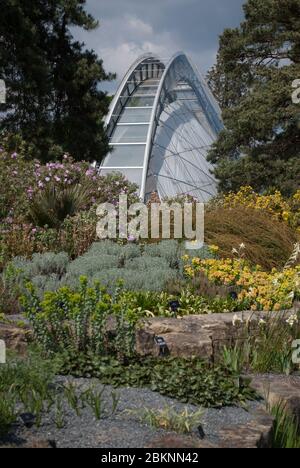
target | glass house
x=161, y=124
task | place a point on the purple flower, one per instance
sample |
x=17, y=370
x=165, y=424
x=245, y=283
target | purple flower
x=14, y=155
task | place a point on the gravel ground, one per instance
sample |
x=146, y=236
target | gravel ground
x=124, y=429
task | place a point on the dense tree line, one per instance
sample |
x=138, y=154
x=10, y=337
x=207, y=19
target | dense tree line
x=256, y=66
x=53, y=97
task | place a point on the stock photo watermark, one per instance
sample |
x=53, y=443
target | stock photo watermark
x=2, y=352
x=296, y=352
x=2, y=92
x=296, y=93
x=139, y=221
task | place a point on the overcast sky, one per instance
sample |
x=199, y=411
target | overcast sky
x=129, y=28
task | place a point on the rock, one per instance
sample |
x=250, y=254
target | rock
x=280, y=390
x=40, y=444
x=255, y=434
x=179, y=441
x=15, y=338
x=32, y=443
x=198, y=335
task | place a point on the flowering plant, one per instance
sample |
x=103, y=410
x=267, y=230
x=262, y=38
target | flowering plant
x=258, y=290
x=287, y=210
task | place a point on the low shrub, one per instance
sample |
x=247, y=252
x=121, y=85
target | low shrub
x=78, y=320
x=140, y=267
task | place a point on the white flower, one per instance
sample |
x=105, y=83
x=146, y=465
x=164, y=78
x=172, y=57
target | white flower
x=234, y=251
x=262, y=322
x=242, y=246
x=236, y=319
x=292, y=320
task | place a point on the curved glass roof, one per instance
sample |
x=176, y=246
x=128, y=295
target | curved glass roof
x=161, y=125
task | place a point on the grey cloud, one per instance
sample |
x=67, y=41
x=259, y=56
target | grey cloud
x=129, y=28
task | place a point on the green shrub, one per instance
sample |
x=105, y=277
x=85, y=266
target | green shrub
x=140, y=268
x=44, y=270
x=43, y=264
x=78, y=320
x=52, y=206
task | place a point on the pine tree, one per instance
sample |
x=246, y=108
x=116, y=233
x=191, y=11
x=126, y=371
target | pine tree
x=256, y=66
x=53, y=97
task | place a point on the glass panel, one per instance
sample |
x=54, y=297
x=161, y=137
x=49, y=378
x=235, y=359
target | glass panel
x=151, y=82
x=132, y=115
x=146, y=90
x=185, y=94
x=125, y=155
x=139, y=101
x=130, y=134
x=133, y=175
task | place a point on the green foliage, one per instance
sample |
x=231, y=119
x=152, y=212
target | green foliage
x=139, y=267
x=188, y=380
x=286, y=432
x=78, y=320
x=24, y=387
x=27, y=385
x=52, y=206
x=170, y=420
x=43, y=264
x=256, y=66
x=267, y=351
x=143, y=280
x=53, y=99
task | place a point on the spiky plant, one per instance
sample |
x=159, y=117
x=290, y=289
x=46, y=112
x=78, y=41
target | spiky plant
x=52, y=206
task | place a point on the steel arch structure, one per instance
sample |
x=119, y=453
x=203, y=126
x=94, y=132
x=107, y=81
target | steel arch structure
x=161, y=124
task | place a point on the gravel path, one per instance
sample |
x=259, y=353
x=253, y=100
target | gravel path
x=124, y=429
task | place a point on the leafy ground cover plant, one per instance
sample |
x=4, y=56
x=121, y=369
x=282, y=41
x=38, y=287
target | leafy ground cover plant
x=187, y=380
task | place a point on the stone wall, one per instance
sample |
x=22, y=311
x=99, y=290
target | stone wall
x=199, y=335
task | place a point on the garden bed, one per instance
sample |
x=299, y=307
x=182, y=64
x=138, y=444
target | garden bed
x=127, y=429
